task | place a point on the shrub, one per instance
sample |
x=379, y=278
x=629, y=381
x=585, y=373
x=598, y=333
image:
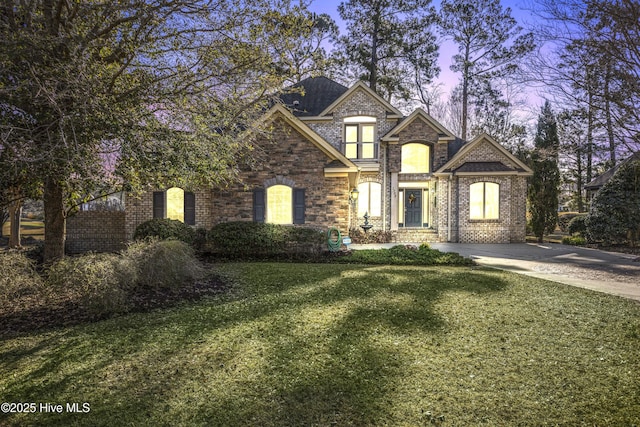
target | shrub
x=241, y=239
x=18, y=276
x=95, y=282
x=404, y=255
x=165, y=229
x=578, y=225
x=574, y=240
x=162, y=263
x=614, y=216
x=372, y=236
x=564, y=218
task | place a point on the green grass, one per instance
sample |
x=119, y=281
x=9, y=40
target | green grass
x=28, y=228
x=317, y=344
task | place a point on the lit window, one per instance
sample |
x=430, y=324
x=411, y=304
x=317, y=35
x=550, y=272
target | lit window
x=359, y=137
x=369, y=199
x=279, y=205
x=415, y=158
x=176, y=204
x=484, y=200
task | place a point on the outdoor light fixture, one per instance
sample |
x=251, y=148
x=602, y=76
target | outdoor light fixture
x=353, y=195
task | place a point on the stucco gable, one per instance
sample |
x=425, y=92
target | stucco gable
x=483, y=155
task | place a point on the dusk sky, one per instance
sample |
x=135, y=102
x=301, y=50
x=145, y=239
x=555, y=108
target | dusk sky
x=447, y=78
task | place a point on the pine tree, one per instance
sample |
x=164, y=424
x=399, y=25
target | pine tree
x=545, y=184
x=490, y=43
x=388, y=42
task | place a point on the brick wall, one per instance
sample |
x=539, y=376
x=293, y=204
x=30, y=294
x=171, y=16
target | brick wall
x=139, y=208
x=288, y=158
x=418, y=131
x=508, y=228
x=359, y=104
x=96, y=231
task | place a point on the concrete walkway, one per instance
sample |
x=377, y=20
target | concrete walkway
x=609, y=272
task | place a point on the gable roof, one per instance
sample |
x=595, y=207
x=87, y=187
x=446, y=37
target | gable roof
x=602, y=179
x=419, y=114
x=361, y=86
x=280, y=110
x=311, y=96
x=489, y=167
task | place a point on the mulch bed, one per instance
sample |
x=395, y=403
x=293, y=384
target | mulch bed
x=33, y=317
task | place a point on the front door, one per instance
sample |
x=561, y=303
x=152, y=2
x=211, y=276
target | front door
x=413, y=208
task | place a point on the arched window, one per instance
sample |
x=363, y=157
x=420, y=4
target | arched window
x=369, y=199
x=415, y=158
x=484, y=200
x=279, y=204
x=175, y=203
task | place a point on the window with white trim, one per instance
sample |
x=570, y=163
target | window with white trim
x=415, y=158
x=369, y=199
x=359, y=137
x=484, y=200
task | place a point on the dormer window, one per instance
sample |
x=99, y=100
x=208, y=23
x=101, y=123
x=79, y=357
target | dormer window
x=359, y=138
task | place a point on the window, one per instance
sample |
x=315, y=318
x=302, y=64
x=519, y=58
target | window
x=369, y=199
x=415, y=158
x=279, y=204
x=484, y=200
x=175, y=203
x=359, y=137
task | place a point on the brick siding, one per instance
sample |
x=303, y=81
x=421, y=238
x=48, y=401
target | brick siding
x=139, y=208
x=96, y=231
x=288, y=158
x=359, y=104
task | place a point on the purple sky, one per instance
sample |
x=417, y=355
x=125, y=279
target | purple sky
x=447, y=78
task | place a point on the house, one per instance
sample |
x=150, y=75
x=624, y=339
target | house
x=338, y=153
x=596, y=184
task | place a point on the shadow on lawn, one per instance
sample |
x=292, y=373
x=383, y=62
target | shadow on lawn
x=260, y=360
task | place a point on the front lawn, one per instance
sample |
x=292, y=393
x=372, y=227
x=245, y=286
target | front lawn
x=319, y=344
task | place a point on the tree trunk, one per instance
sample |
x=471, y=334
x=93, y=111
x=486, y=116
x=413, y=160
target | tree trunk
x=609, y=120
x=54, y=220
x=465, y=95
x=579, y=183
x=373, y=71
x=590, y=125
x=15, y=212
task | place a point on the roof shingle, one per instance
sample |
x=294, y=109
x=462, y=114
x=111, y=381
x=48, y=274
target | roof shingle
x=319, y=93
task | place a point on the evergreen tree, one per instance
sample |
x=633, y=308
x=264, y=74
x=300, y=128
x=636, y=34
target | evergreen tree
x=388, y=42
x=615, y=209
x=544, y=188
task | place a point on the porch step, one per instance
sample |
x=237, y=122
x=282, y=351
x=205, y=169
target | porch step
x=415, y=235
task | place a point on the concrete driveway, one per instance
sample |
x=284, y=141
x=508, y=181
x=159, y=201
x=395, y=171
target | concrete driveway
x=609, y=272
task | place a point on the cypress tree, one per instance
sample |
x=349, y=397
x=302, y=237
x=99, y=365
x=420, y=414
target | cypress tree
x=544, y=188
